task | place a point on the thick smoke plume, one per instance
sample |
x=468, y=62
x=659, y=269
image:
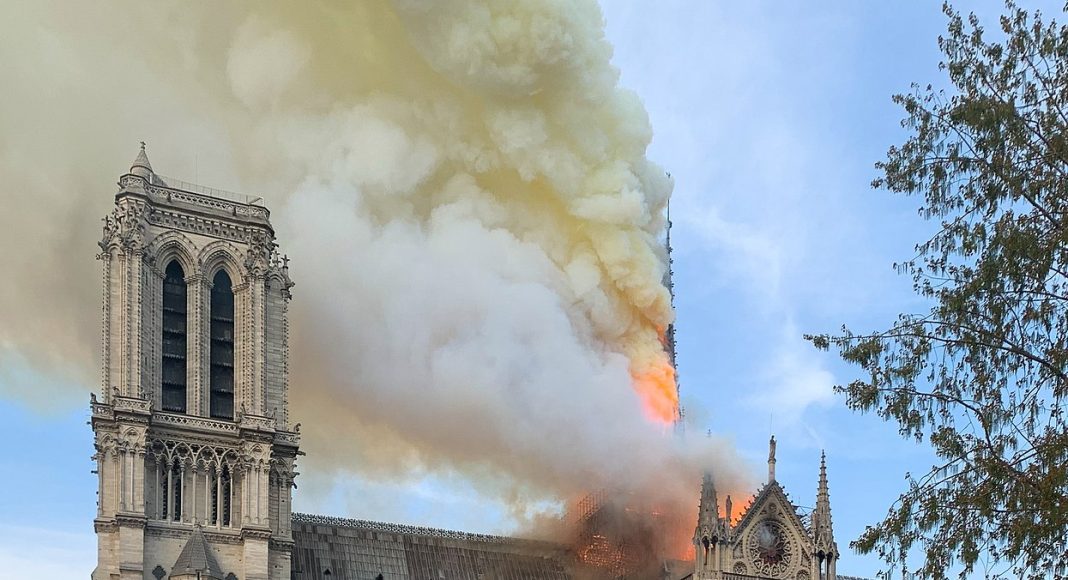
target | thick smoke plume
x=462, y=187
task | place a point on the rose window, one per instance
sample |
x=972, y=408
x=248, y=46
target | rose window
x=769, y=548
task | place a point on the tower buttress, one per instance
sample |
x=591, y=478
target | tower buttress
x=190, y=423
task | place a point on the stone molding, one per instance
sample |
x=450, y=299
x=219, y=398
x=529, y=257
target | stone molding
x=105, y=526
x=130, y=520
x=256, y=533
x=282, y=545
x=180, y=531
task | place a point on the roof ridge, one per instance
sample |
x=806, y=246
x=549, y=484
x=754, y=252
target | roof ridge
x=410, y=529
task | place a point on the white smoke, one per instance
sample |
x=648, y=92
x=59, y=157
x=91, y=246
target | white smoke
x=463, y=189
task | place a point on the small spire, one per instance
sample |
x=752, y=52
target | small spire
x=709, y=503
x=730, y=516
x=822, y=529
x=771, y=460
x=141, y=166
x=822, y=492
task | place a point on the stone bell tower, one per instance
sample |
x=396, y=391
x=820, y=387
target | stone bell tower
x=194, y=449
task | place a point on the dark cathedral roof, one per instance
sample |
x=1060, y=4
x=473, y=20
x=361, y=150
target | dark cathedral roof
x=358, y=549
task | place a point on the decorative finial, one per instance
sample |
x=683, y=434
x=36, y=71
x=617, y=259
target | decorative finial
x=822, y=491
x=141, y=166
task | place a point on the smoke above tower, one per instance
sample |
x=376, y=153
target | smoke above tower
x=475, y=228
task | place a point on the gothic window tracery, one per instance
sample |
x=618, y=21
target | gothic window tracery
x=176, y=481
x=174, y=315
x=220, y=496
x=222, y=347
x=770, y=550
x=202, y=472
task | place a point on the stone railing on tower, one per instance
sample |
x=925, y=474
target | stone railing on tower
x=190, y=421
x=287, y=437
x=213, y=199
x=256, y=422
x=132, y=404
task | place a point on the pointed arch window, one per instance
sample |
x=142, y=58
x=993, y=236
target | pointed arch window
x=222, y=347
x=174, y=339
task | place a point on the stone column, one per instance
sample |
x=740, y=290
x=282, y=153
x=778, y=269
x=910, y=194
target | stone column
x=98, y=458
x=246, y=472
x=105, y=340
x=134, y=387
x=198, y=288
x=139, y=481
x=242, y=332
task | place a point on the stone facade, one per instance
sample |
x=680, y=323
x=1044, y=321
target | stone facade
x=191, y=425
x=195, y=453
x=770, y=540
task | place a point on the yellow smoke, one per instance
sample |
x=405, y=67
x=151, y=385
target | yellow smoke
x=464, y=189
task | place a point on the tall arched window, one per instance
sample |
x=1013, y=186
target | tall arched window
x=174, y=344
x=222, y=347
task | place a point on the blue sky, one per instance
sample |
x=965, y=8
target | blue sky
x=770, y=117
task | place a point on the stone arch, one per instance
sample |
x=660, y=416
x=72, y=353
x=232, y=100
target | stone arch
x=173, y=245
x=107, y=445
x=221, y=255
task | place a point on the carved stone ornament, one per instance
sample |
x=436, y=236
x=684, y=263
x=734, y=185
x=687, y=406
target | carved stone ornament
x=261, y=249
x=125, y=227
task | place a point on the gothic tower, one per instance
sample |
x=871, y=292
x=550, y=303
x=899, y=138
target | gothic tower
x=194, y=450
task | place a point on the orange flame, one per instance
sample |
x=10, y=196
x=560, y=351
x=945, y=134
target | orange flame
x=656, y=388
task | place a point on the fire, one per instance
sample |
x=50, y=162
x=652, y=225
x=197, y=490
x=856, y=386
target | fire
x=627, y=534
x=656, y=387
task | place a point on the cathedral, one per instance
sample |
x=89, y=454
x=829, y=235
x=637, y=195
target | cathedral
x=195, y=449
